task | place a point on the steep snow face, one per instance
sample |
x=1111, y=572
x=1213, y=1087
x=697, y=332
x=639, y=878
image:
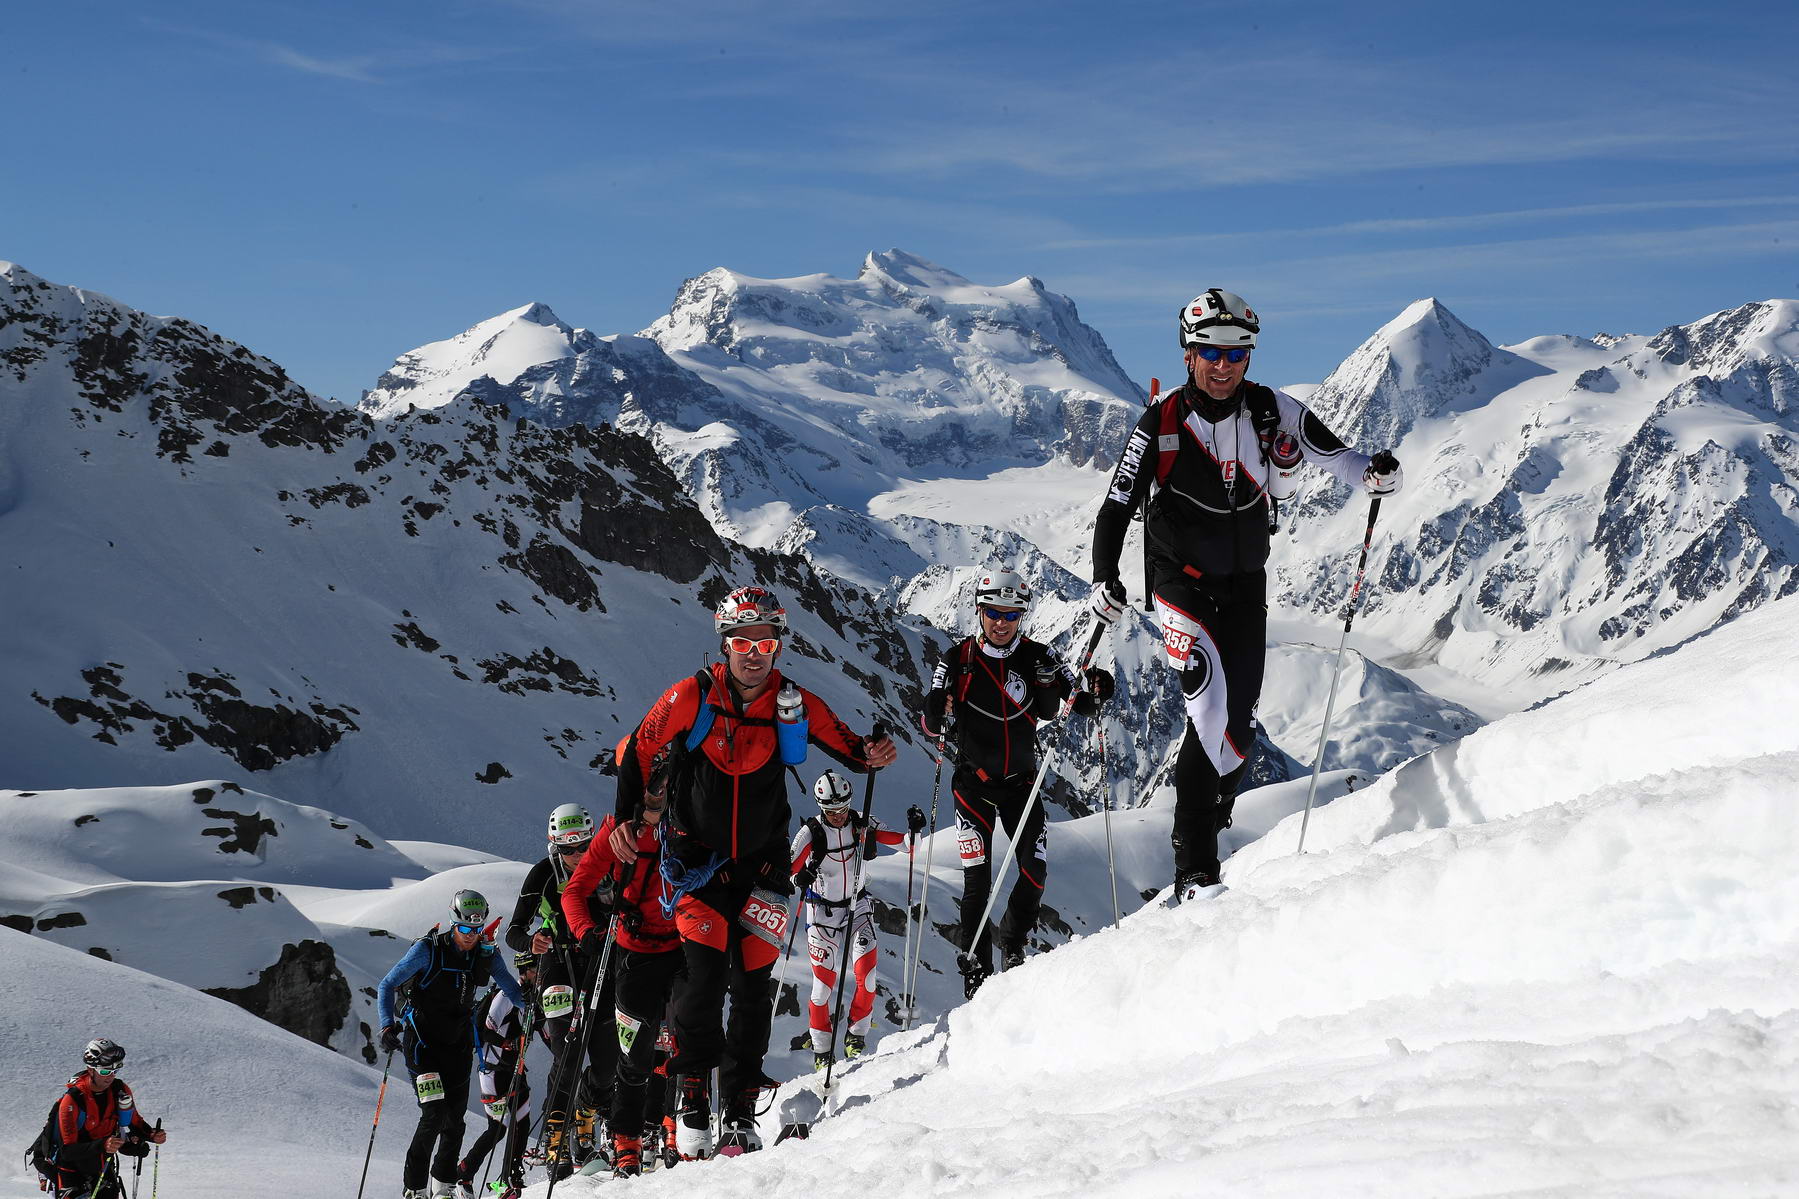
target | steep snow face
x=500, y=349
x=440, y=624
x=1569, y=505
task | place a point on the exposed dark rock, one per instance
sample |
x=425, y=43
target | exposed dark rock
x=245, y=832
x=493, y=774
x=243, y=897
x=19, y=924
x=61, y=920
x=303, y=992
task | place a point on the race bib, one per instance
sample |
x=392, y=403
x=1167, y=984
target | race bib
x=970, y=846
x=429, y=1086
x=628, y=1026
x=496, y=1109
x=765, y=914
x=558, y=1002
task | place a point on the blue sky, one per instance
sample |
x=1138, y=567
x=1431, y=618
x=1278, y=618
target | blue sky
x=335, y=183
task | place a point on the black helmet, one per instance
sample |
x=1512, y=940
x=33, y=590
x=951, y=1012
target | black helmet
x=524, y=961
x=103, y=1053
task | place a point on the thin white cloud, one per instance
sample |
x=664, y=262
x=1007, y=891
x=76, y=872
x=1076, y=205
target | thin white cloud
x=1433, y=224
x=369, y=68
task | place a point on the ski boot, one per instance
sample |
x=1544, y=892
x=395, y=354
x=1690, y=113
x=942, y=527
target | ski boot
x=854, y=1045
x=405, y=1193
x=739, y=1135
x=1012, y=955
x=693, y=1118
x=974, y=973
x=588, y=1143
x=465, y=1188
x=1188, y=884
x=443, y=1190
x=821, y=1060
x=671, y=1153
x=556, y=1145
x=627, y=1156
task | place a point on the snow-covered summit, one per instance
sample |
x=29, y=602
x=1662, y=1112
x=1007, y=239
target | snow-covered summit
x=770, y=396
x=1415, y=366
x=1570, y=503
x=500, y=348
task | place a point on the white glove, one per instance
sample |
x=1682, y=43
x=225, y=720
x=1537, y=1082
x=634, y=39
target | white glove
x=1383, y=476
x=1108, y=601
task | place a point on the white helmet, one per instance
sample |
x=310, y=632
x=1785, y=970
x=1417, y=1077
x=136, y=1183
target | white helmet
x=747, y=606
x=1002, y=588
x=832, y=791
x=570, y=825
x=1219, y=318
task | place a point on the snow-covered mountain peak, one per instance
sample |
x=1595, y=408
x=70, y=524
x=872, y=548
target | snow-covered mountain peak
x=500, y=348
x=1420, y=363
x=1755, y=345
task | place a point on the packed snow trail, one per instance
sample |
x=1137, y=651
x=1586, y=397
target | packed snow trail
x=1558, y=958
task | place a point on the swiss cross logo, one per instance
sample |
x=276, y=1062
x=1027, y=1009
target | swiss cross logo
x=1249, y=314
x=1199, y=310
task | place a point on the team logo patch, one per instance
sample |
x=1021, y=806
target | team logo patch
x=1015, y=687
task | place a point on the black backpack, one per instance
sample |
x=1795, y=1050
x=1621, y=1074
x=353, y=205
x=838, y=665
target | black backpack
x=43, y=1151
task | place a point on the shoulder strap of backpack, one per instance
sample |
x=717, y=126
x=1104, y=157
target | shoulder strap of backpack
x=817, y=829
x=702, y=719
x=1264, y=414
x=1169, y=410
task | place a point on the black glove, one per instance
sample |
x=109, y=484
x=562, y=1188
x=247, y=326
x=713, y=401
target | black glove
x=1100, y=683
x=915, y=820
x=774, y=878
x=390, y=1038
x=630, y=917
x=805, y=878
x=593, y=941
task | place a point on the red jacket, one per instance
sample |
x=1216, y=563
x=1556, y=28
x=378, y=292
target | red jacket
x=736, y=803
x=84, y=1116
x=642, y=888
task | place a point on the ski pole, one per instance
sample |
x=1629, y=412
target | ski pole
x=911, y=965
x=578, y=1034
x=852, y=895
x=1105, y=782
x=906, y=949
x=510, y=1122
x=155, y=1165
x=1330, y=704
x=1024, y=816
x=793, y=928
x=366, y=1157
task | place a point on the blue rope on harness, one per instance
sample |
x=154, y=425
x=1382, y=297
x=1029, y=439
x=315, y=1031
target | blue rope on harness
x=678, y=878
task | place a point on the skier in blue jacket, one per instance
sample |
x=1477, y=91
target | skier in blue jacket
x=445, y=973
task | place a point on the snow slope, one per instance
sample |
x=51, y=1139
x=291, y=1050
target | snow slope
x=250, y=1110
x=1555, y=958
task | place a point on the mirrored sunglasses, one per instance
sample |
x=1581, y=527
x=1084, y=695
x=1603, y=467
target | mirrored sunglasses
x=1233, y=355
x=1001, y=614
x=107, y=1071
x=467, y=930
x=762, y=645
